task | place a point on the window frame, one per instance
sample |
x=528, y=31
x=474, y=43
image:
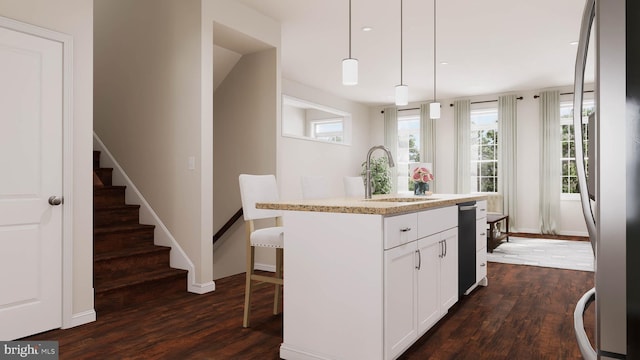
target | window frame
x=409, y=115
x=588, y=101
x=487, y=109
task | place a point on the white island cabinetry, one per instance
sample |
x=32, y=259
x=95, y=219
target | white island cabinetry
x=421, y=276
x=365, y=281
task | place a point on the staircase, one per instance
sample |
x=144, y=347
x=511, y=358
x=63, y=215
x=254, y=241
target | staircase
x=128, y=268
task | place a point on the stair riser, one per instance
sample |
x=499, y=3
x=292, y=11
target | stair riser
x=118, y=241
x=119, y=216
x=110, y=301
x=108, y=196
x=105, y=175
x=121, y=266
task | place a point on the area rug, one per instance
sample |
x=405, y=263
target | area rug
x=562, y=254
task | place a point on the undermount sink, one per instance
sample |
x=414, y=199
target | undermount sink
x=401, y=199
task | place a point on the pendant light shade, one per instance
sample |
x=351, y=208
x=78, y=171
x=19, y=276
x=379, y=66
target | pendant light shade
x=434, y=110
x=402, y=90
x=350, y=65
x=402, y=95
x=350, y=71
x=434, y=107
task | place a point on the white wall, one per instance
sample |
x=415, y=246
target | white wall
x=243, y=142
x=298, y=157
x=75, y=18
x=571, y=221
x=148, y=110
x=230, y=110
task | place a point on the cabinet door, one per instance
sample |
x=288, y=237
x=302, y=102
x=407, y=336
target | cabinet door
x=481, y=233
x=430, y=249
x=449, y=270
x=400, y=308
x=481, y=263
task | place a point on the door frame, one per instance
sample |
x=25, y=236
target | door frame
x=67, y=319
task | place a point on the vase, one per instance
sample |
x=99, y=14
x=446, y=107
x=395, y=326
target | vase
x=420, y=188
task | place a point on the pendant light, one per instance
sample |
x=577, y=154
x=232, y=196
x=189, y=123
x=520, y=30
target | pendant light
x=434, y=107
x=350, y=65
x=402, y=90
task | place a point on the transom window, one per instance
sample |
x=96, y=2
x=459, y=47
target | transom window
x=484, y=150
x=328, y=130
x=567, y=159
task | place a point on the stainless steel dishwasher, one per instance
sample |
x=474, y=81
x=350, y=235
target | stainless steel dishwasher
x=466, y=246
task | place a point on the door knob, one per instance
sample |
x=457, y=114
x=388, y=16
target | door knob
x=55, y=201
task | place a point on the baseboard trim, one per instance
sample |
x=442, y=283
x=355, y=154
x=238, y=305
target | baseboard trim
x=289, y=352
x=265, y=267
x=81, y=318
x=202, y=288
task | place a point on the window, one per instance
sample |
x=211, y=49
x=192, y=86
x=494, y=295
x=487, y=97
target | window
x=569, y=173
x=408, y=149
x=484, y=150
x=328, y=130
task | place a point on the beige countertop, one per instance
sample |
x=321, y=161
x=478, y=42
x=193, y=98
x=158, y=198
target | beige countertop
x=378, y=205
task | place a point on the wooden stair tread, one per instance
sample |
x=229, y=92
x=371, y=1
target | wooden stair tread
x=139, y=278
x=134, y=250
x=121, y=228
x=116, y=207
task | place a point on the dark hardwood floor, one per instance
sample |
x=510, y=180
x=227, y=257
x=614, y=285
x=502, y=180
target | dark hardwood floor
x=526, y=312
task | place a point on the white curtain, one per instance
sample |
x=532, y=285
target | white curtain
x=391, y=141
x=462, y=146
x=428, y=142
x=507, y=155
x=550, y=166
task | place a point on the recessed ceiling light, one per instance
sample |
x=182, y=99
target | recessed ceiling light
x=573, y=43
x=444, y=63
x=367, y=28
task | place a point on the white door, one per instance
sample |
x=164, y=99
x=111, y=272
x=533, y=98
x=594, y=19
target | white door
x=31, y=103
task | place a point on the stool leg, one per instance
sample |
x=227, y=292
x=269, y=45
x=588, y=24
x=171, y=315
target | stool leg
x=247, y=289
x=276, y=296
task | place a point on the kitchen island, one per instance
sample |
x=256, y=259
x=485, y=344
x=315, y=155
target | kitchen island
x=364, y=279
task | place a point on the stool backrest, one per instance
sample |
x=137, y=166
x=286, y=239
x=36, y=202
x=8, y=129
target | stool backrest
x=255, y=189
x=315, y=187
x=354, y=186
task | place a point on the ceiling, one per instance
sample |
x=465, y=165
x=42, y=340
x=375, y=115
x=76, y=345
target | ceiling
x=491, y=46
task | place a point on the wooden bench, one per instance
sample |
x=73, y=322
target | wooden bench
x=492, y=240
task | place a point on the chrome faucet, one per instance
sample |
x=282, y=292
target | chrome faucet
x=367, y=186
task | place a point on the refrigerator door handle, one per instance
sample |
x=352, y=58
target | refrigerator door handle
x=588, y=353
x=581, y=61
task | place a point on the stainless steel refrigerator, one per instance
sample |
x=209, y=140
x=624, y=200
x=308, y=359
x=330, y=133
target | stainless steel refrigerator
x=611, y=194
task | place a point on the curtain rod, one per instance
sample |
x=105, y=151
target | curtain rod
x=567, y=93
x=488, y=101
x=382, y=111
x=473, y=102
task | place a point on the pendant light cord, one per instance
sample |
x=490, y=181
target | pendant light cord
x=434, y=50
x=401, y=82
x=349, y=29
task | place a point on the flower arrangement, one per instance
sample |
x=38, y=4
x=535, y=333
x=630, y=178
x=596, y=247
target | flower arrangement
x=421, y=177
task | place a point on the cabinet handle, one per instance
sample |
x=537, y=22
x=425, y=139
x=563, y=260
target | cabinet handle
x=481, y=209
x=483, y=234
x=483, y=264
x=419, y=260
x=445, y=248
x=405, y=229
